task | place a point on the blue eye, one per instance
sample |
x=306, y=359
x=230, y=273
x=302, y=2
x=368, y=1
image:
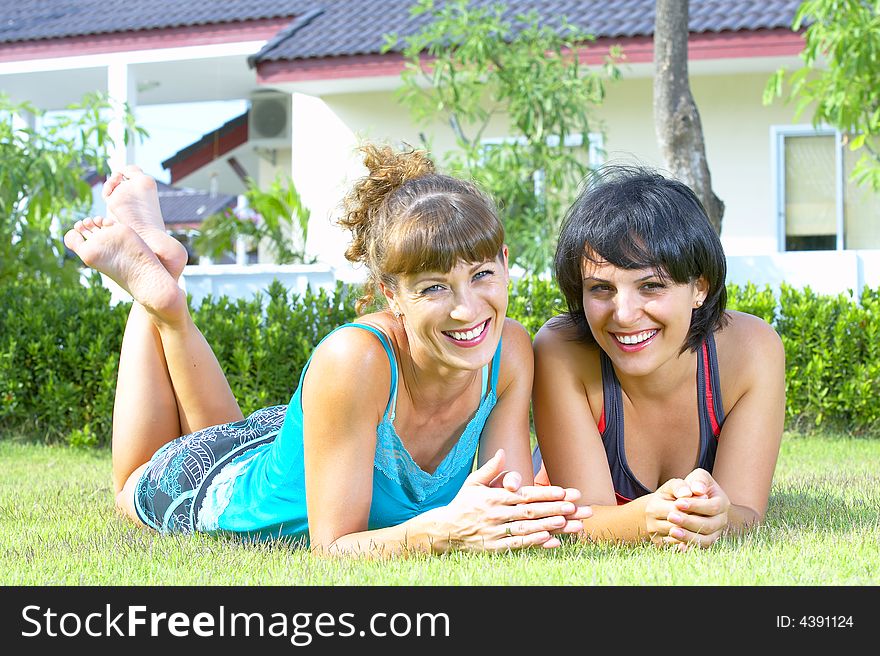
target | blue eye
x=483, y=274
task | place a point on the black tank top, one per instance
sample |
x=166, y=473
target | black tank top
x=710, y=412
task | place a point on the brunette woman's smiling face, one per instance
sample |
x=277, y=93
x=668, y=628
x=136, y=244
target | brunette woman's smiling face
x=454, y=317
x=639, y=317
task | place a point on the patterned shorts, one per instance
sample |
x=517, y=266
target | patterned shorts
x=170, y=492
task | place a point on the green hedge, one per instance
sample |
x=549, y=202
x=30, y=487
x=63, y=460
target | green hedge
x=59, y=350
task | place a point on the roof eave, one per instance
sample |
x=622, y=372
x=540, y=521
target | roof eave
x=722, y=45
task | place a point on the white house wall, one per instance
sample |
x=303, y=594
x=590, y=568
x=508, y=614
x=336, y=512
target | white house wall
x=736, y=127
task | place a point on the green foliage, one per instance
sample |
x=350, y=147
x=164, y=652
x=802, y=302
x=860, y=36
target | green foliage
x=533, y=301
x=43, y=184
x=841, y=75
x=759, y=302
x=470, y=65
x=282, y=220
x=59, y=350
x=264, y=343
x=832, y=363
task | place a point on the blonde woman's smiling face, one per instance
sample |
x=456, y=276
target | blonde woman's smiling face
x=640, y=318
x=454, y=317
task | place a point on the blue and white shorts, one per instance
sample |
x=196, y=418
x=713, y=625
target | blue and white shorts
x=171, y=492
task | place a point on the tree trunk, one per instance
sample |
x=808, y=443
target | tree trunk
x=676, y=118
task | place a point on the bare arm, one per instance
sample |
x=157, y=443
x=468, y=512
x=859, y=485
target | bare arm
x=570, y=443
x=748, y=447
x=340, y=419
x=565, y=422
x=508, y=426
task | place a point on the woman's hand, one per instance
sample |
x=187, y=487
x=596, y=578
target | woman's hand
x=693, y=511
x=492, y=512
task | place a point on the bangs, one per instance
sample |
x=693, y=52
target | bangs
x=441, y=231
x=632, y=242
x=632, y=253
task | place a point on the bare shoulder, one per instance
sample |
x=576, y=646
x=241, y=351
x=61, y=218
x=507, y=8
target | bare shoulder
x=750, y=357
x=748, y=337
x=558, y=339
x=556, y=333
x=352, y=347
x=517, y=362
x=515, y=340
x=344, y=360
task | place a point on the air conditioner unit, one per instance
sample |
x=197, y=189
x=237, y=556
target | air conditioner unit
x=269, y=120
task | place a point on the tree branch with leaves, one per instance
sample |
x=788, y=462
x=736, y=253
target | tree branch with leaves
x=43, y=186
x=469, y=66
x=281, y=222
x=840, y=78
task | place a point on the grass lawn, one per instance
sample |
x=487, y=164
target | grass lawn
x=59, y=528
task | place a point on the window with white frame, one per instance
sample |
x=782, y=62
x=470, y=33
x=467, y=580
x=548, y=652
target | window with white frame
x=819, y=208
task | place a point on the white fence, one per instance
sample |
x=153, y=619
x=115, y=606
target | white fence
x=825, y=272
x=242, y=281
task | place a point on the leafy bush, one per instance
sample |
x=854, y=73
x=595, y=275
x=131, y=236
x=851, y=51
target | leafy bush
x=533, y=300
x=832, y=358
x=59, y=350
x=264, y=343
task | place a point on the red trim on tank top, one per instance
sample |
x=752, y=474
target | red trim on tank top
x=621, y=499
x=710, y=399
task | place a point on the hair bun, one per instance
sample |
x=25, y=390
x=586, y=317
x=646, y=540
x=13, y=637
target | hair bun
x=387, y=170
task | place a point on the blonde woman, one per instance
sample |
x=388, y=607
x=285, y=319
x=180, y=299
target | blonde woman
x=374, y=453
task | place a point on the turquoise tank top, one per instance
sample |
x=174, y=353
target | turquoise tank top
x=263, y=492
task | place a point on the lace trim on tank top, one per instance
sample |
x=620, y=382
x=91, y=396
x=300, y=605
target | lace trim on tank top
x=396, y=463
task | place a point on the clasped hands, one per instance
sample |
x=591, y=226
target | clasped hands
x=493, y=511
x=686, y=512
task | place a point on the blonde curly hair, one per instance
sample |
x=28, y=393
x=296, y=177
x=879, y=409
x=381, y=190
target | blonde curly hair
x=405, y=218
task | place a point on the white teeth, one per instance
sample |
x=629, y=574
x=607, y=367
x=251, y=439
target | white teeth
x=637, y=338
x=469, y=335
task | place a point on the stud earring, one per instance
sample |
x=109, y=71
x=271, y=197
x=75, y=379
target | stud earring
x=398, y=314
x=699, y=304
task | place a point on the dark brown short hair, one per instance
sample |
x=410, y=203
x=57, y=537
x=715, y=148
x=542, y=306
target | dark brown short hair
x=635, y=218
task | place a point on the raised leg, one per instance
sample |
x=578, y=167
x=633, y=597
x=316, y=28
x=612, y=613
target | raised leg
x=169, y=381
x=145, y=412
x=203, y=394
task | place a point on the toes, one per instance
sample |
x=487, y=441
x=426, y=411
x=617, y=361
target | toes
x=111, y=183
x=73, y=239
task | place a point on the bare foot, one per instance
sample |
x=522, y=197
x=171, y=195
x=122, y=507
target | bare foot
x=132, y=199
x=117, y=251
